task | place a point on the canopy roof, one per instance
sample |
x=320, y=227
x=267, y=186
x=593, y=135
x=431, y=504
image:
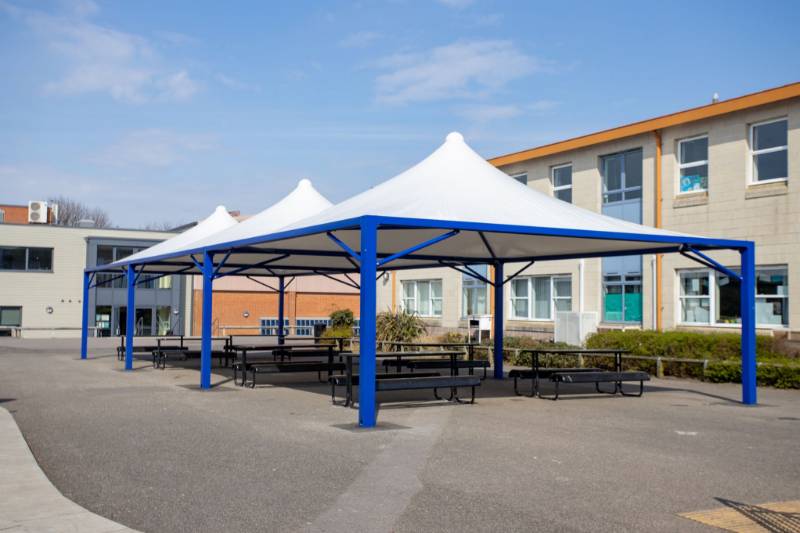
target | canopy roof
x=456, y=203
x=216, y=222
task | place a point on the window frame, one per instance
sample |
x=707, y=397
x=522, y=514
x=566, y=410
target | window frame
x=512, y=296
x=431, y=298
x=751, y=174
x=555, y=188
x=27, y=260
x=20, y=315
x=713, y=288
x=266, y=324
x=680, y=166
x=470, y=282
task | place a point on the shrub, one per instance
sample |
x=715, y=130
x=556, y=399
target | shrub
x=682, y=344
x=400, y=326
x=453, y=337
x=342, y=318
x=781, y=376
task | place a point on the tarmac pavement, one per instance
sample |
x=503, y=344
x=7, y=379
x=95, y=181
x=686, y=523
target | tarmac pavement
x=149, y=450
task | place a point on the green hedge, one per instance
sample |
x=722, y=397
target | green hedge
x=683, y=344
x=721, y=349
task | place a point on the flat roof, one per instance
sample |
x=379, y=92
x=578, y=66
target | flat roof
x=723, y=107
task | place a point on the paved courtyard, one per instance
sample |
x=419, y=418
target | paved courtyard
x=149, y=450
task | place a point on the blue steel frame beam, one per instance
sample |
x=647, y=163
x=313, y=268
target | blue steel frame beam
x=420, y=246
x=367, y=414
x=747, y=289
x=281, y=310
x=352, y=284
x=109, y=280
x=130, y=322
x=466, y=270
x=499, y=320
x=207, y=268
x=343, y=245
x=705, y=260
x=487, y=245
x=87, y=281
x=518, y=272
x=263, y=284
x=247, y=267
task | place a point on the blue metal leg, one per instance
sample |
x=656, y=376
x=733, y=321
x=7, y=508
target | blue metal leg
x=366, y=391
x=498, y=320
x=748, y=306
x=205, y=331
x=281, y=293
x=130, y=323
x=85, y=316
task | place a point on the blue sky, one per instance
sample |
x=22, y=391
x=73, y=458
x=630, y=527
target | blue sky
x=159, y=111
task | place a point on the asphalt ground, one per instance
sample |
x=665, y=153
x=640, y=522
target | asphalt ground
x=149, y=450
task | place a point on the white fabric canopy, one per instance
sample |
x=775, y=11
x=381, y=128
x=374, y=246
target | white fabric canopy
x=493, y=217
x=302, y=202
x=218, y=221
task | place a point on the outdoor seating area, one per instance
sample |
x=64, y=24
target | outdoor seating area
x=376, y=232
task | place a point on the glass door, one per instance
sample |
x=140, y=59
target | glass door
x=622, y=199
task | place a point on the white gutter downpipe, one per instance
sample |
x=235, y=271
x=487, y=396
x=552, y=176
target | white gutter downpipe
x=654, y=291
x=581, y=270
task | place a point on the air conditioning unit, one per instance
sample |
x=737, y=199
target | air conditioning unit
x=573, y=328
x=37, y=212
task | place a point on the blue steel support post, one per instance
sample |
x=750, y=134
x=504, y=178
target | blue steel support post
x=366, y=365
x=205, y=332
x=130, y=323
x=498, y=320
x=85, y=316
x=748, y=306
x=281, y=293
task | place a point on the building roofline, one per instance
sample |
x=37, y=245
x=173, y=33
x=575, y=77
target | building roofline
x=768, y=96
x=91, y=228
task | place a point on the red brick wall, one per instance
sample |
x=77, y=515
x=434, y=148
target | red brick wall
x=230, y=305
x=18, y=214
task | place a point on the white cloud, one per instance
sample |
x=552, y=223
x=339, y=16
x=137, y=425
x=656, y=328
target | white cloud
x=541, y=106
x=99, y=59
x=458, y=70
x=359, y=39
x=154, y=148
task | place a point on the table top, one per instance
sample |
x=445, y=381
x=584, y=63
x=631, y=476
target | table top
x=427, y=353
x=586, y=351
x=269, y=347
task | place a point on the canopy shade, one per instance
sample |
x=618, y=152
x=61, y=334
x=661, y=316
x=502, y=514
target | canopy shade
x=474, y=212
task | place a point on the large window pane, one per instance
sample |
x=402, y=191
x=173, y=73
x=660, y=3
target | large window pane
x=694, y=150
x=727, y=300
x=695, y=284
x=541, y=295
x=12, y=258
x=40, y=259
x=423, y=298
x=562, y=176
x=10, y=316
x=696, y=310
x=633, y=169
x=770, y=135
x=771, y=165
x=694, y=178
x=612, y=173
x=409, y=296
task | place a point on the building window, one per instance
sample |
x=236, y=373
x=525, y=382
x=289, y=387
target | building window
x=2, y=216
x=540, y=297
x=622, y=297
x=474, y=292
x=26, y=259
x=11, y=316
x=711, y=298
x=561, y=178
x=522, y=178
x=622, y=176
x=770, y=148
x=423, y=297
x=693, y=164
x=305, y=326
x=269, y=326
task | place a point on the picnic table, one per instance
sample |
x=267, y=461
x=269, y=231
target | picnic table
x=273, y=349
x=577, y=375
x=411, y=382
